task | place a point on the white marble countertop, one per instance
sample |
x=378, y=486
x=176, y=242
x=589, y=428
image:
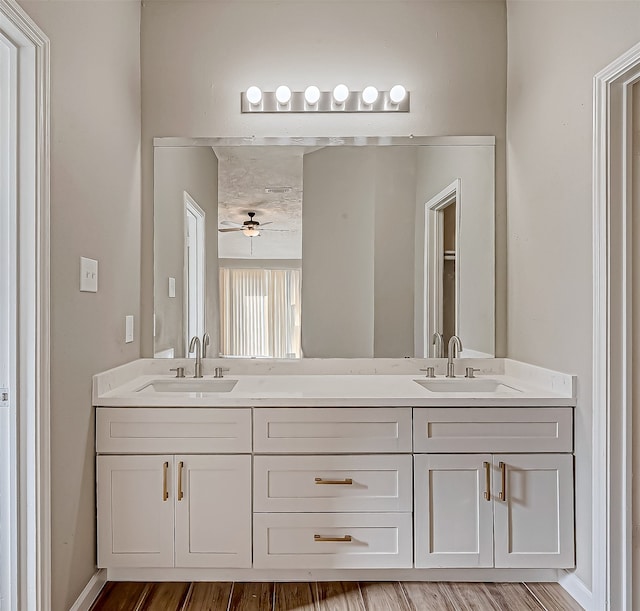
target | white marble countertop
x=332, y=383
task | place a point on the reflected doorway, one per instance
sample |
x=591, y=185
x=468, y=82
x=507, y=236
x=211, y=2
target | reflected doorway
x=442, y=282
x=194, y=273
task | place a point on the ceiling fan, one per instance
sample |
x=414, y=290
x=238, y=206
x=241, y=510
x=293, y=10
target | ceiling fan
x=250, y=228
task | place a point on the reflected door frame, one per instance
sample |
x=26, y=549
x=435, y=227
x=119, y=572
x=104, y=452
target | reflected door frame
x=434, y=261
x=194, y=270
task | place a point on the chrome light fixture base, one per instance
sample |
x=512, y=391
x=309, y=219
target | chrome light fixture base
x=326, y=103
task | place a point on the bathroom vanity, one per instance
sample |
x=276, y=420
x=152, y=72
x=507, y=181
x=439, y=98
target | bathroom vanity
x=296, y=470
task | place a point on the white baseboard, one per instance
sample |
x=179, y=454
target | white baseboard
x=91, y=591
x=576, y=588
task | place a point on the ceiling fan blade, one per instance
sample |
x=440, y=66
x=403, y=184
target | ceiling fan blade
x=267, y=223
x=230, y=229
x=230, y=223
x=274, y=229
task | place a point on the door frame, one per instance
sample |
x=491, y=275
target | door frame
x=31, y=230
x=433, y=260
x=612, y=338
x=192, y=207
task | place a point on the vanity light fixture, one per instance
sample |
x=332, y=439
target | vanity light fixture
x=340, y=93
x=311, y=95
x=283, y=95
x=369, y=95
x=254, y=95
x=397, y=94
x=312, y=99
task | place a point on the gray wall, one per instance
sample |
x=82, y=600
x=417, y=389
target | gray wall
x=198, y=56
x=194, y=170
x=636, y=343
x=95, y=212
x=555, y=49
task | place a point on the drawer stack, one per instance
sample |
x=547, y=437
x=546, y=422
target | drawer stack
x=316, y=508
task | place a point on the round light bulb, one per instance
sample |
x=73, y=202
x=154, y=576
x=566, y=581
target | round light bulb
x=397, y=94
x=340, y=93
x=251, y=233
x=283, y=94
x=312, y=95
x=369, y=95
x=254, y=95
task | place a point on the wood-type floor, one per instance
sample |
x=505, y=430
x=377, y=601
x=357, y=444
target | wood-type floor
x=334, y=596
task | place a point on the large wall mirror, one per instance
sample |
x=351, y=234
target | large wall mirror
x=324, y=247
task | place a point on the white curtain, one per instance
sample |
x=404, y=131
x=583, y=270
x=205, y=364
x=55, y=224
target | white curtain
x=260, y=312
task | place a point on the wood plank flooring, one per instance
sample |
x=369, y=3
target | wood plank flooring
x=334, y=596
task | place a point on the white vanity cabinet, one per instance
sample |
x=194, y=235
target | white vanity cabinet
x=494, y=509
x=332, y=488
x=168, y=509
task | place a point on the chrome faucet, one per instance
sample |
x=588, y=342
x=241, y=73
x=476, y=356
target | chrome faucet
x=438, y=343
x=205, y=342
x=195, y=346
x=455, y=347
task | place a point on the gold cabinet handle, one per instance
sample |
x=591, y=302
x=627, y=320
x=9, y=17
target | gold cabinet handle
x=180, y=494
x=320, y=538
x=487, y=481
x=336, y=482
x=503, y=474
x=165, y=491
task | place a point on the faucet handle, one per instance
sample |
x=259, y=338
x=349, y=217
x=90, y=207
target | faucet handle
x=179, y=371
x=217, y=372
x=431, y=372
x=470, y=371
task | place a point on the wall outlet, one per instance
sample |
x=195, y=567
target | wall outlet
x=128, y=333
x=88, y=275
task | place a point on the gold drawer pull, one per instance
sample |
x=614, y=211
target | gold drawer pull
x=337, y=482
x=503, y=472
x=320, y=538
x=180, y=467
x=487, y=485
x=165, y=492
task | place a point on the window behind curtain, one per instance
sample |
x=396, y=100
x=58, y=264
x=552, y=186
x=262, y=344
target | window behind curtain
x=260, y=313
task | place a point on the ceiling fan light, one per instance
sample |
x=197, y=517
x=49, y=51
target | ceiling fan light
x=251, y=232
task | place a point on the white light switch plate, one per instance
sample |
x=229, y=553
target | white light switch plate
x=172, y=287
x=128, y=334
x=88, y=275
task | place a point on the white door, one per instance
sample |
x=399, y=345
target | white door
x=8, y=506
x=453, y=511
x=533, y=515
x=213, y=511
x=194, y=273
x=135, y=511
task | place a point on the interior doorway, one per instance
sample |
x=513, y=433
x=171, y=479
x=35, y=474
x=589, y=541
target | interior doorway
x=8, y=505
x=194, y=273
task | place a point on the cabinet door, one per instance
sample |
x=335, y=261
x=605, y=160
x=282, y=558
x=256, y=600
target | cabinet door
x=453, y=511
x=213, y=511
x=533, y=515
x=135, y=511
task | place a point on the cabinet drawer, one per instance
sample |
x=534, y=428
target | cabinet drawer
x=332, y=483
x=361, y=540
x=172, y=430
x=533, y=429
x=332, y=430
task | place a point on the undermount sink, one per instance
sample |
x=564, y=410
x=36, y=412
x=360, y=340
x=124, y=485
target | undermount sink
x=189, y=386
x=466, y=385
